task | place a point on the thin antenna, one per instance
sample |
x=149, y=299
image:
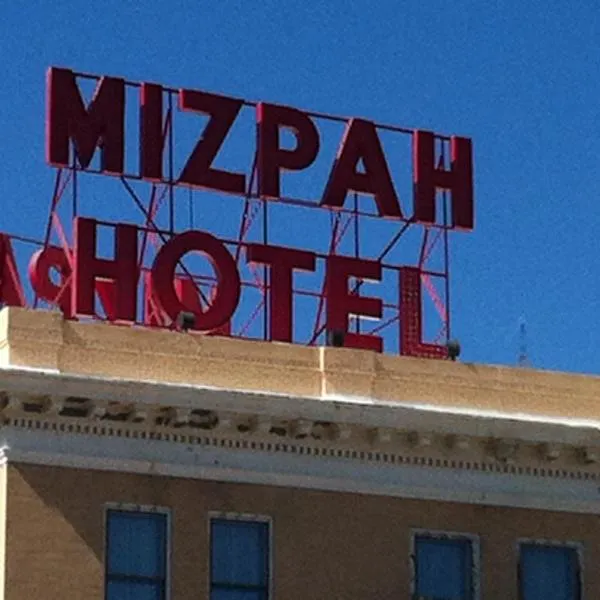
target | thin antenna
x=523, y=360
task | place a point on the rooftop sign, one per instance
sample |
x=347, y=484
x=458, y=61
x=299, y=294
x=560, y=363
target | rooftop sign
x=152, y=274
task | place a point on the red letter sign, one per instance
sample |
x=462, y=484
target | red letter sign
x=271, y=157
x=151, y=134
x=341, y=304
x=197, y=171
x=361, y=142
x=428, y=178
x=282, y=262
x=11, y=290
x=411, y=343
x=100, y=125
x=40, y=265
x=123, y=270
x=188, y=293
x=227, y=293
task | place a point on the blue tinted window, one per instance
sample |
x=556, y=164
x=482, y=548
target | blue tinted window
x=134, y=590
x=239, y=560
x=549, y=572
x=444, y=568
x=136, y=555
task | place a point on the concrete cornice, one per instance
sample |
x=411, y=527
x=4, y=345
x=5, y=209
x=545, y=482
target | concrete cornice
x=44, y=341
x=50, y=389
x=292, y=456
x=54, y=371
x=84, y=405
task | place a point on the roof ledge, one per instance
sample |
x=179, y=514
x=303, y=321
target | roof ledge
x=45, y=341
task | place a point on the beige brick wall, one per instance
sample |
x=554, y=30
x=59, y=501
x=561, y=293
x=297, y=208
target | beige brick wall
x=326, y=545
x=3, y=518
x=44, y=340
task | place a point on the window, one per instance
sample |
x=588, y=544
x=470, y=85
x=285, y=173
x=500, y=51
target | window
x=136, y=555
x=239, y=567
x=548, y=572
x=443, y=568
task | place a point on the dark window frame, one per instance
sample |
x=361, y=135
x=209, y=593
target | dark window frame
x=575, y=547
x=266, y=523
x=162, y=580
x=471, y=540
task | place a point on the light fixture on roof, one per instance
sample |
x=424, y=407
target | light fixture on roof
x=185, y=320
x=453, y=347
x=335, y=338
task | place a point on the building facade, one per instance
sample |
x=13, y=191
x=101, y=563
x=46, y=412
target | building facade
x=147, y=464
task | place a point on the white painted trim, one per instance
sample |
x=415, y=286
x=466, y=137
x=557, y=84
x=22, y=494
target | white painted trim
x=577, y=546
x=217, y=463
x=451, y=535
x=238, y=516
x=365, y=412
x=234, y=516
x=140, y=508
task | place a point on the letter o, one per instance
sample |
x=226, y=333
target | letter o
x=162, y=276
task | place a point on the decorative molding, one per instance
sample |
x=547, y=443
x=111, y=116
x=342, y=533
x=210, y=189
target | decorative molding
x=420, y=439
x=306, y=463
x=550, y=452
x=589, y=455
x=347, y=411
x=375, y=448
x=457, y=442
x=504, y=450
x=260, y=424
x=139, y=420
x=381, y=435
x=343, y=432
x=300, y=429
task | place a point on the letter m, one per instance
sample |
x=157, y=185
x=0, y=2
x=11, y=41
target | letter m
x=100, y=125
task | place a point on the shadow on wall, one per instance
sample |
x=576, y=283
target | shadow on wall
x=348, y=543
x=75, y=498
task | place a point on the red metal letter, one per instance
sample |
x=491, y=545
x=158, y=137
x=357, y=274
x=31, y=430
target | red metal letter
x=282, y=262
x=40, y=265
x=11, y=289
x=271, y=157
x=341, y=303
x=187, y=292
x=123, y=270
x=100, y=125
x=197, y=171
x=361, y=141
x=411, y=326
x=428, y=178
x=227, y=293
x=151, y=135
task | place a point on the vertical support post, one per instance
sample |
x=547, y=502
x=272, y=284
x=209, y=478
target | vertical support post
x=356, y=251
x=446, y=250
x=267, y=282
x=171, y=174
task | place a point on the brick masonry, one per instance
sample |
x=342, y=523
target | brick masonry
x=325, y=545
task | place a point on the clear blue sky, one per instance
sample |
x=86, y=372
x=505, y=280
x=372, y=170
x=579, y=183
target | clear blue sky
x=521, y=78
